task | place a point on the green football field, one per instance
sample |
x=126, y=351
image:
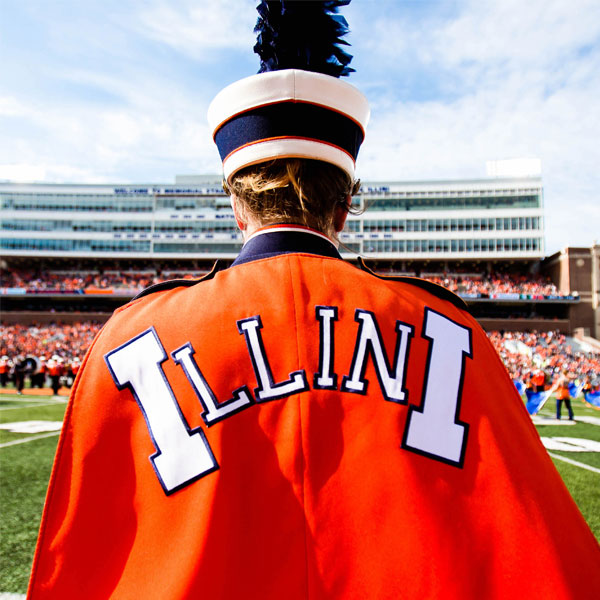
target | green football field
x=26, y=460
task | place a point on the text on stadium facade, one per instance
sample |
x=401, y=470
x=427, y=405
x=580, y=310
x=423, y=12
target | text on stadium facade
x=174, y=191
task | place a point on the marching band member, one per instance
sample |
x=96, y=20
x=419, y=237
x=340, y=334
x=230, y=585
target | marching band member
x=295, y=426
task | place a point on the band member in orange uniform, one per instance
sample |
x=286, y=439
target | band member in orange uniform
x=295, y=426
x=563, y=394
x=55, y=371
x=4, y=370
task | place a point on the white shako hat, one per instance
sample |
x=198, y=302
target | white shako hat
x=296, y=106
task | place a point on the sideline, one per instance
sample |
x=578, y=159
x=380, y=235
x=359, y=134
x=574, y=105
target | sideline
x=30, y=399
x=63, y=391
x=36, y=405
x=586, y=419
x=567, y=460
x=11, y=596
x=29, y=439
x=24, y=404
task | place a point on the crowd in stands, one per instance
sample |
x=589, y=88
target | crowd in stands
x=74, y=281
x=489, y=286
x=474, y=285
x=44, y=354
x=65, y=340
x=526, y=354
x=522, y=353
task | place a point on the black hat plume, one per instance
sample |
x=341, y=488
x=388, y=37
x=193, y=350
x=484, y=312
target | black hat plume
x=302, y=34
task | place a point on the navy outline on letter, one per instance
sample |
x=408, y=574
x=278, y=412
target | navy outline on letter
x=369, y=349
x=269, y=373
x=197, y=430
x=216, y=403
x=330, y=366
x=421, y=407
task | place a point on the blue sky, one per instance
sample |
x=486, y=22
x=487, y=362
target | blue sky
x=117, y=91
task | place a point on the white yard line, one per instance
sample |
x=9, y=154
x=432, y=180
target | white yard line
x=25, y=407
x=542, y=420
x=586, y=419
x=33, y=402
x=29, y=439
x=572, y=462
x=548, y=419
x=39, y=398
x=11, y=596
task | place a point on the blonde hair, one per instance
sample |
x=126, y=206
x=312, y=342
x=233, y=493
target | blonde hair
x=293, y=190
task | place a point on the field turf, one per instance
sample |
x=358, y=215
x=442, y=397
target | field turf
x=25, y=469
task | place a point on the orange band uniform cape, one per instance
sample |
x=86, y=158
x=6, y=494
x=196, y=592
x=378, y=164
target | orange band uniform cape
x=296, y=427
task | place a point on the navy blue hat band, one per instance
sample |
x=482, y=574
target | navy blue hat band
x=289, y=120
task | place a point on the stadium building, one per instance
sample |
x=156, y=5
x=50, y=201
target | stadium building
x=436, y=229
x=447, y=220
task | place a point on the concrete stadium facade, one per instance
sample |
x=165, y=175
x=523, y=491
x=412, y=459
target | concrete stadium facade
x=492, y=218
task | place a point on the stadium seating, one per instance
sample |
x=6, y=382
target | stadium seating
x=524, y=353
x=492, y=285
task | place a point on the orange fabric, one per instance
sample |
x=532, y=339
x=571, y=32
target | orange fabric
x=315, y=496
x=55, y=370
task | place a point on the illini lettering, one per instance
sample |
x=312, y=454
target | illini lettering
x=183, y=454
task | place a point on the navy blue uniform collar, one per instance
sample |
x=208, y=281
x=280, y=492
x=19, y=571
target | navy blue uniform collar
x=285, y=239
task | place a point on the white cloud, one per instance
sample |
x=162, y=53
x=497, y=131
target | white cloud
x=41, y=172
x=23, y=172
x=529, y=33
x=196, y=29
x=139, y=141
x=514, y=79
x=11, y=107
x=482, y=33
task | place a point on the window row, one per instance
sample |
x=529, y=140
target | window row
x=408, y=203
x=221, y=226
x=229, y=226
x=422, y=246
x=191, y=202
x=119, y=203
x=76, y=203
x=431, y=225
x=370, y=246
x=76, y=245
x=232, y=248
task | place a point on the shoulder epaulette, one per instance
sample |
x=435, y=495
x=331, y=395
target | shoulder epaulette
x=432, y=288
x=173, y=283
